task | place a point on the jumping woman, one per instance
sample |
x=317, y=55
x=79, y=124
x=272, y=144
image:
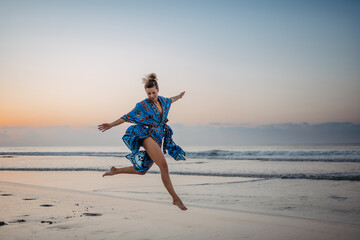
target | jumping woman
x=151, y=132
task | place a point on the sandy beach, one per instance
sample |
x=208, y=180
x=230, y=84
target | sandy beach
x=83, y=205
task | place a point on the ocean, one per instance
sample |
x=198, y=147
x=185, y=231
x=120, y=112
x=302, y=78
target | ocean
x=314, y=181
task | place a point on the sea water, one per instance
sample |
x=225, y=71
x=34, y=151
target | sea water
x=318, y=182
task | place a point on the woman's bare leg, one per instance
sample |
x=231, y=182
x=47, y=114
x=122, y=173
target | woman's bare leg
x=128, y=170
x=154, y=151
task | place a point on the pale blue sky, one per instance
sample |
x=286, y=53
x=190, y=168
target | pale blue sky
x=80, y=63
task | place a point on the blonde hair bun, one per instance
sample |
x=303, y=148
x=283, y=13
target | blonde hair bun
x=149, y=77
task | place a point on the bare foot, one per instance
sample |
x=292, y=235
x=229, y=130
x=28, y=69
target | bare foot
x=180, y=204
x=111, y=172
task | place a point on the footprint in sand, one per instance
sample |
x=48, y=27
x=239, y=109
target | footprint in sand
x=46, y=205
x=18, y=221
x=62, y=227
x=49, y=222
x=92, y=214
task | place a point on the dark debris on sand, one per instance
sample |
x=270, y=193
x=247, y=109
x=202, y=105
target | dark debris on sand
x=28, y=199
x=18, y=221
x=92, y=214
x=46, y=205
x=49, y=222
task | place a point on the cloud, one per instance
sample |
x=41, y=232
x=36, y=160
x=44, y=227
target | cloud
x=59, y=136
x=186, y=135
x=272, y=134
x=4, y=135
x=13, y=127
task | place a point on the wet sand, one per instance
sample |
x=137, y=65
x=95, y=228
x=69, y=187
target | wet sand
x=83, y=205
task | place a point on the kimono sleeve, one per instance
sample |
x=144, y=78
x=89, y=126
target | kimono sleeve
x=138, y=115
x=167, y=102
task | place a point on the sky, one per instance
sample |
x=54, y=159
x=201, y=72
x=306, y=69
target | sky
x=243, y=64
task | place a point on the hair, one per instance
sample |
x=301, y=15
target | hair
x=150, y=81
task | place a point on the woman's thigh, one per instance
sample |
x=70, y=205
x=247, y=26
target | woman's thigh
x=154, y=151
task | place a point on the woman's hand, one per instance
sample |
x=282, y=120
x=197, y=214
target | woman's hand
x=181, y=94
x=105, y=126
x=173, y=99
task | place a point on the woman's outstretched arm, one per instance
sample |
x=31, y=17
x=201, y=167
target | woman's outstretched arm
x=106, y=126
x=175, y=98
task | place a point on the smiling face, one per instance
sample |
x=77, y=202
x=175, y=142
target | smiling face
x=152, y=93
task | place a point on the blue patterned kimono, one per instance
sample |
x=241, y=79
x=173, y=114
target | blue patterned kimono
x=149, y=123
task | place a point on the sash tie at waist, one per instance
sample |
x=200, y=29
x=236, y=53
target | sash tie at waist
x=169, y=145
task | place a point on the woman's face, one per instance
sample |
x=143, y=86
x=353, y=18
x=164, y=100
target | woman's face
x=152, y=93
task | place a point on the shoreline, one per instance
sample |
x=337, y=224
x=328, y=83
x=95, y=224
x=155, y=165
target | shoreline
x=295, y=176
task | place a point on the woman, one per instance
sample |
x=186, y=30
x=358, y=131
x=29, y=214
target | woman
x=150, y=117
